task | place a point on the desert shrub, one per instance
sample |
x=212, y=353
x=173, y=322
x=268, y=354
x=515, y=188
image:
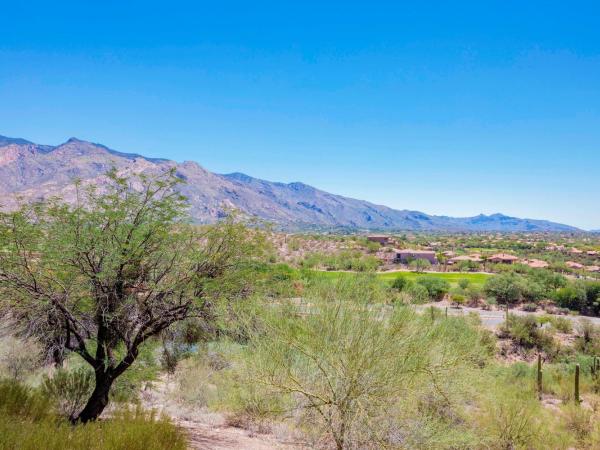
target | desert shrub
x=145, y=369
x=562, y=324
x=548, y=279
x=436, y=287
x=22, y=402
x=577, y=420
x=463, y=283
x=128, y=430
x=420, y=265
x=192, y=331
x=509, y=420
x=194, y=382
x=400, y=283
x=588, y=337
x=473, y=293
x=69, y=389
x=532, y=291
x=458, y=299
x=592, y=291
x=525, y=332
x=372, y=247
x=19, y=358
x=572, y=296
x=530, y=307
x=418, y=293
x=342, y=260
x=346, y=370
x=505, y=288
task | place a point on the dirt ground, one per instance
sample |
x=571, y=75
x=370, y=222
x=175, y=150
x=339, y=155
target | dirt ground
x=207, y=430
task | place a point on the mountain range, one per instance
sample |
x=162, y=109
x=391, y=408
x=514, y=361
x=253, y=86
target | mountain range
x=30, y=172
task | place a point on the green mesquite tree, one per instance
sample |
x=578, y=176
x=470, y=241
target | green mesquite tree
x=103, y=275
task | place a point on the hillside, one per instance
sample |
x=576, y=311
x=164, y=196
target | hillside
x=30, y=171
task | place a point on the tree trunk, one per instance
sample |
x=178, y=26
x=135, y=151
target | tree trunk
x=98, y=400
x=58, y=357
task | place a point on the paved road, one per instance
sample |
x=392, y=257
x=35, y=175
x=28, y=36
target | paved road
x=492, y=319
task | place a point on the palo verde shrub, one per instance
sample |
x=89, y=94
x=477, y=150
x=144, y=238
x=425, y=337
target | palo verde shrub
x=355, y=363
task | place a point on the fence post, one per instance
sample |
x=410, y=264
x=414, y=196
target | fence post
x=577, y=399
x=539, y=377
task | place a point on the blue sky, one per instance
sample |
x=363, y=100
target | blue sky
x=450, y=108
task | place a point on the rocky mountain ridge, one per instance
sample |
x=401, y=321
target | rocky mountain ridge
x=30, y=171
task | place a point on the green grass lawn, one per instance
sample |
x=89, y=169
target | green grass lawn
x=477, y=279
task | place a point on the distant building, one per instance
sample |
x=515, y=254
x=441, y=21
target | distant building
x=593, y=268
x=574, y=265
x=379, y=238
x=592, y=253
x=407, y=255
x=575, y=251
x=503, y=258
x=536, y=263
x=470, y=258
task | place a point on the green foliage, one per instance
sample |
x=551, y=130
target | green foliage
x=436, y=287
x=28, y=422
x=343, y=260
x=417, y=293
x=457, y=299
x=69, y=389
x=588, y=337
x=526, y=332
x=350, y=364
x=400, y=283
x=473, y=293
x=463, y=283
x=22, y=402
x=125, y=431
x=511, y=420
x=19, y=358
x=505, y=288
x=146, y=368
x=562, y=324
x=420, y=265
x=105, y=275
x=572, y=296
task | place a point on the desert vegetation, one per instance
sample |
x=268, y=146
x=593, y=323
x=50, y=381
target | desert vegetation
x=118, y=299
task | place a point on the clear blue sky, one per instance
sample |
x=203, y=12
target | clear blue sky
x=450, y=108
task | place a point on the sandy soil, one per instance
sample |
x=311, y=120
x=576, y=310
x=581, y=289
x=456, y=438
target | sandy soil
x=207, y=430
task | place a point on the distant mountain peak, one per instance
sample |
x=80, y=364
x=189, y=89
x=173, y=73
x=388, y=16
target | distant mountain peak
x=5, y=140
x=239, y=176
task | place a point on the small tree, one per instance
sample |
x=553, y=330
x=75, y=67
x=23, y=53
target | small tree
x=103, y=276
x=463, y=283
x=420, y=265
x=458, y=300
x=400, y=283
x=436, y=287
x=505, y=288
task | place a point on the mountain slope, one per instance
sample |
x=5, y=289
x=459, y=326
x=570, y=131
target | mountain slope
x=29, y=172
